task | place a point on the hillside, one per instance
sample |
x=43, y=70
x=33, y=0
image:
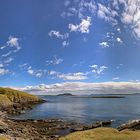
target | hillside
x=17, y=100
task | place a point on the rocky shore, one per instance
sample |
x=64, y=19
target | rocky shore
x=50, y=129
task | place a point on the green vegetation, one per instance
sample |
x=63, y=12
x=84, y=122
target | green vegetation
x=9, y=96
x=103, y=134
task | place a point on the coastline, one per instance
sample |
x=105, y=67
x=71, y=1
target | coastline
x=52, y=129
x=44, y=129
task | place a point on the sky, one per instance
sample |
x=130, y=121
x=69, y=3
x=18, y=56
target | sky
x=62, y=44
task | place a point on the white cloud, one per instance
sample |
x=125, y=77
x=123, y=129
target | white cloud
x=69, y=76
x=83, y=27
x=80, y=9
x=131, y=15
x=7, y=54
x=119, y=66
x=52, y=72
x=1, y=65
x=13, y=42
x=37, y=73
x=106, y=13
x=65, y=44
x=86, y=88
x=73, y=76
x=98, y=70
x=31, y=71
x=55, y=61
x=115, y=78
x=7, y=50
x=119, y=40
x=3, y=71
x=104, y=44
x=57, y=34
x=8, y=60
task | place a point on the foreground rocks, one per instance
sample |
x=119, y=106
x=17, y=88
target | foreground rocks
x=132, y=125
x=36, y=129
x=51, y=129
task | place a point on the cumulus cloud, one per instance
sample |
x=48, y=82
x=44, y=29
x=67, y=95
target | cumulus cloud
x=83, y=88
x=83, y=27
x=104, y=44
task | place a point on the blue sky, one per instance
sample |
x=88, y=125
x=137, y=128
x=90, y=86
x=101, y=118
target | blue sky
x=58, y=41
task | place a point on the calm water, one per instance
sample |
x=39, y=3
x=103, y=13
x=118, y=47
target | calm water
x=87, y=110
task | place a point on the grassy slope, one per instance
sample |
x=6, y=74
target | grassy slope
x=103, y=134
x=9, y=96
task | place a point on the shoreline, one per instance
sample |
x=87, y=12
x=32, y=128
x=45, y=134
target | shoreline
x=51, y=129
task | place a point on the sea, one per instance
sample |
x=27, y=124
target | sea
x=87, y=109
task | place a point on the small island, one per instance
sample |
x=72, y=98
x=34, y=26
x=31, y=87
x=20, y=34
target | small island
x=66, y=94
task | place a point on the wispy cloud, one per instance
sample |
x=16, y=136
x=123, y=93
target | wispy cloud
x=3, y=71
x=104, y=44
x=65, y=44
x=115, y=78
x=54, y=61
x=31, y=71
x=7, y=51
x=57, y=34
x=98, y=70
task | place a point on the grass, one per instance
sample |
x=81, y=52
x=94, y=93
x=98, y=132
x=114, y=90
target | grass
x=103, y=134
x=4, y=101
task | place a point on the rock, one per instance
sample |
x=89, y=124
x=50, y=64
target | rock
x=132, y=125
x=3, y=127
x=106, y=123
